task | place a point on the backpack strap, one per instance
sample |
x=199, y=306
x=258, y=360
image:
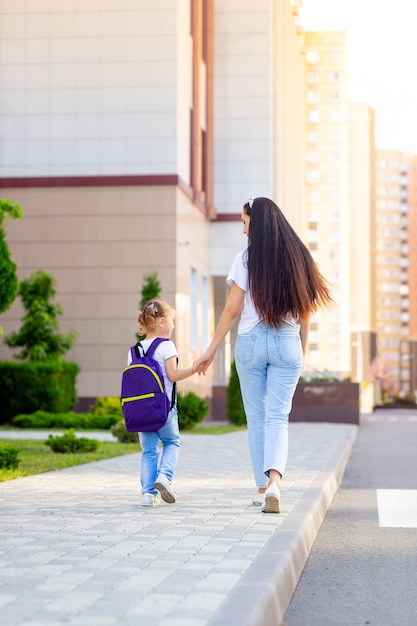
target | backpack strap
x=155, y=343
x=153, y=346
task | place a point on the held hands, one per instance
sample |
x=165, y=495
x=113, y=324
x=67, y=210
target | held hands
x=201, y=365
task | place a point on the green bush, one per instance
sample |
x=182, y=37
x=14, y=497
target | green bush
x=68, y=443
x=27, y=387
x=123, y=436
x=151, y=288
x=78, y=421
x=39, y=338
x=8, y=273
x=235, y=412
x=107, y=405
x=9, y=457
x=191, y=410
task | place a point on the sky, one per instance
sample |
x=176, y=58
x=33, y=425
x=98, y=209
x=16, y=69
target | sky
x=382, y=60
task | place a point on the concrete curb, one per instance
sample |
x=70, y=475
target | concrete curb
x=263, y=594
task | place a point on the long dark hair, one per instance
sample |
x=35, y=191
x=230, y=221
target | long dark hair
x=283, y=277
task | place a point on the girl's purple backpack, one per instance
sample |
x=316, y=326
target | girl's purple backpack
x=145, y=404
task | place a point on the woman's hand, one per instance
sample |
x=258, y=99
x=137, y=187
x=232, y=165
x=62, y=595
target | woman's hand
x=201, y=365
x=230, y=312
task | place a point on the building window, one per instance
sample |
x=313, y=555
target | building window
x=335, y=136
x=205, y=310
x=335, y=176
x=314, y=356
x=312, y=56
x=312, y=96
x=334, y=117
x=312, y=77
x=313, y=156
x=313, y=176
x=313, y=196
x=335, y=56
x=313, y=136
x=193, y=309
x=314, y=116
x=333, y=76
x=334, y=96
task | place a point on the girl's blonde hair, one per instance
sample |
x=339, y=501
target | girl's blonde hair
x=150, y=313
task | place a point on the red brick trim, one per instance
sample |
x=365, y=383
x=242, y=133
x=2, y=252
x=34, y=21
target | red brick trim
x=107, y=181
x=228, y=217
x=92, y=181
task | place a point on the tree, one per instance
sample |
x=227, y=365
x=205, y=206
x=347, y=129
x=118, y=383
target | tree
x=151, y=288
x=8, y=275
x=39, y=337
x=235, y=411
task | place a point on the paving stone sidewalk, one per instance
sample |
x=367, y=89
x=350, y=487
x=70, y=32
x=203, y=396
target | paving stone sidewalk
x=76, y=547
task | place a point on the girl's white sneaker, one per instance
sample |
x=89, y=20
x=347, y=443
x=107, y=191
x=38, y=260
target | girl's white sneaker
x=149, y=499
x=259, y=499
x=164, y=487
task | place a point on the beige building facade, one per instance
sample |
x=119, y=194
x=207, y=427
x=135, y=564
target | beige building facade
x=131, y=136
x=106, y=139
x=258, y=129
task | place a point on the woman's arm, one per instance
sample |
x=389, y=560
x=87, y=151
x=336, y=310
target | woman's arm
x=231, y=311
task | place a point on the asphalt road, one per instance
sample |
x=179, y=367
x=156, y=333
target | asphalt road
x=362, y=568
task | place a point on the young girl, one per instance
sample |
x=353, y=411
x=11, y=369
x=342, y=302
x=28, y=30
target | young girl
x=157, y=470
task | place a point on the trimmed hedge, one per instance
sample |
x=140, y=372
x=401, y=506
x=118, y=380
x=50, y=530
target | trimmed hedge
x=191, y=410
x=69, y=443
x=27, y=387
x=123, y=436
x=78, y=421
x=9, y=457
x=235, y=412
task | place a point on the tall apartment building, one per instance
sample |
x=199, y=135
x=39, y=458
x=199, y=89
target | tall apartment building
x=363, y=239
x=395, y=266
x=412, y=242
x=412, y=270
x=327, y=202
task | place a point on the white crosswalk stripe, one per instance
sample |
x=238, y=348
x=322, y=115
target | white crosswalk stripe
x=397, y=508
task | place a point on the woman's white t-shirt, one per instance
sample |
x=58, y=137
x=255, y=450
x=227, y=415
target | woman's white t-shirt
x=164, y=351
x=239, y=275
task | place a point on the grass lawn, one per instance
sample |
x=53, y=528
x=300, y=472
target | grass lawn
x=36, y=458
x=209, y=429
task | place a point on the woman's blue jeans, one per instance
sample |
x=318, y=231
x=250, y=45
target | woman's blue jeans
x=155, y=461
x=269, y=363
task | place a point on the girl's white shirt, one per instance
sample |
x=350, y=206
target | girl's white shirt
x=239, y=275
x=164, y=351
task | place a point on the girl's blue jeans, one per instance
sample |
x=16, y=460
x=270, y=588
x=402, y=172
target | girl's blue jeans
x=269, y=363
x=155, y=460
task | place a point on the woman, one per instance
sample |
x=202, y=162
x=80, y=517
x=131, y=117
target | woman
x=275, y=285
